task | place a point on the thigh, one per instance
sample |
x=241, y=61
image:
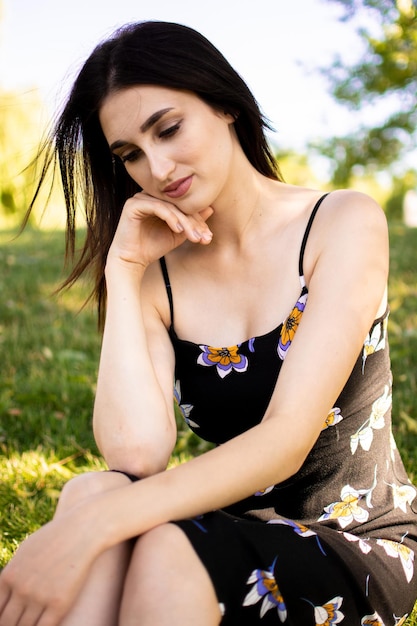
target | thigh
x=268, y=574
x=167, y=583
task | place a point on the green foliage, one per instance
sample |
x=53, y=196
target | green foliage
x=385, y=74
x=20, y=121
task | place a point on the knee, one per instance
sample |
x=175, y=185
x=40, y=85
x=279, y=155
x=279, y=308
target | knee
x=83, y=486
x=156, y=552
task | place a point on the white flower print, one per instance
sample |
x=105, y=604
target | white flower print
x=347, y=509
x=364, y=435
x=399, y=550
x=184, y=408
x=403, y=495
x=363, y=545
x=374, y=341
x=333, y=418
x=372, y=620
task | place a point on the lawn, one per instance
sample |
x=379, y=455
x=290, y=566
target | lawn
x=49, y=348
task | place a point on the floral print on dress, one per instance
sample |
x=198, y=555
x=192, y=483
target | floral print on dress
x=362, y=543
x=300, y=529
x=184, y=408
x=333, y=418
x=376, y=421
x=372, y=620
x=265, y=588
x=290, y=326
x=374, y=341
x=347, y=509
x=263, y=492
x=402, y=552
x=403, y=495
x=329, y=614
x=224, y=359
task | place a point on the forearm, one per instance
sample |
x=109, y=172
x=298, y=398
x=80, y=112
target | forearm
x=132, y=422
x=229, y=473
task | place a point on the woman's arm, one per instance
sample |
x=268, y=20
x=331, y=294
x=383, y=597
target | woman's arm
x=347, y=283
x=134, y=422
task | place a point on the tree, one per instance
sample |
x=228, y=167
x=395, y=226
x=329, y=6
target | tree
x=385, y=76
x=19, y=139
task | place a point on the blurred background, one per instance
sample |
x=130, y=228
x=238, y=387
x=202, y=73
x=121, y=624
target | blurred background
x=338, y=81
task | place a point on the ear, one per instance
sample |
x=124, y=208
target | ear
x=231, y=116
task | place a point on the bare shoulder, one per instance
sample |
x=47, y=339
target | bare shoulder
x=350, y=233
x=345, y=206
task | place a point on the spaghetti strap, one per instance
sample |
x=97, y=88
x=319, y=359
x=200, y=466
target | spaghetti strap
x=307, y=232
x=168, y=287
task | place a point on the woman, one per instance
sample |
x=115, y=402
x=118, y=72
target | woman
x=304, y=513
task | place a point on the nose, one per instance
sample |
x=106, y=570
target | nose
x=160, y=165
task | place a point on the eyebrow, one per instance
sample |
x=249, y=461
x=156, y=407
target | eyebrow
x=151, y=121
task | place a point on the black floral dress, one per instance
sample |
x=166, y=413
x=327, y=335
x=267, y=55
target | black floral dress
x=333, y=544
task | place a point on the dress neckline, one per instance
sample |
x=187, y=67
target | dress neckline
x=275, y=331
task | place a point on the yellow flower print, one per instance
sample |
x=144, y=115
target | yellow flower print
x=225, y=359
x=289, y=327
x=333, y=418
x=329, y=613
x=399, y=550
x=347, y=509
x=372, y=620
x=364, y=435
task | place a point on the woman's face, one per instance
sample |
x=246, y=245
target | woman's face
x=172, y=143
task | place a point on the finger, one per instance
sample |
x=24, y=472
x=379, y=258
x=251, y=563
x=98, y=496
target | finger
x=5, y=594
x=11, y=613
x=31, y=616
x=206, y=213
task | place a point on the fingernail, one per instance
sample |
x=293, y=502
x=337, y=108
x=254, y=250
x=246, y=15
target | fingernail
x=207, y=236
x=180, y=227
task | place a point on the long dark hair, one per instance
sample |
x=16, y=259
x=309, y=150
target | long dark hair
x=150, y=53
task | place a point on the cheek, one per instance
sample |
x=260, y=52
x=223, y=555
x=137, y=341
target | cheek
x=140, y=174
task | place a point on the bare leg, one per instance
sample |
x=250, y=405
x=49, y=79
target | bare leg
x=99, y=602
x=167, y=584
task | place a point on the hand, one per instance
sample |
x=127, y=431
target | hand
x=43, y=579
x=150, y=228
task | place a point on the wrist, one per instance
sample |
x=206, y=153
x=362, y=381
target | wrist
x=118, y=269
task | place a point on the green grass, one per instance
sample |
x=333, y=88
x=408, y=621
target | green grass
x=49, y=354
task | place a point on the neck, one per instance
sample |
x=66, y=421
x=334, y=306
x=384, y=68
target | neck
x=239, y=206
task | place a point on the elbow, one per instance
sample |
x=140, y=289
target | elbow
x=137, y=461
x=140, y=458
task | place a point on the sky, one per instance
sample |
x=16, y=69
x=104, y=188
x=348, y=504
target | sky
x=277, y=46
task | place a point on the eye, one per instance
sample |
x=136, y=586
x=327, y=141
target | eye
x=168, y=132
x=132, y=156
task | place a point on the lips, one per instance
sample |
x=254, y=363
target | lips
x=179, y=187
